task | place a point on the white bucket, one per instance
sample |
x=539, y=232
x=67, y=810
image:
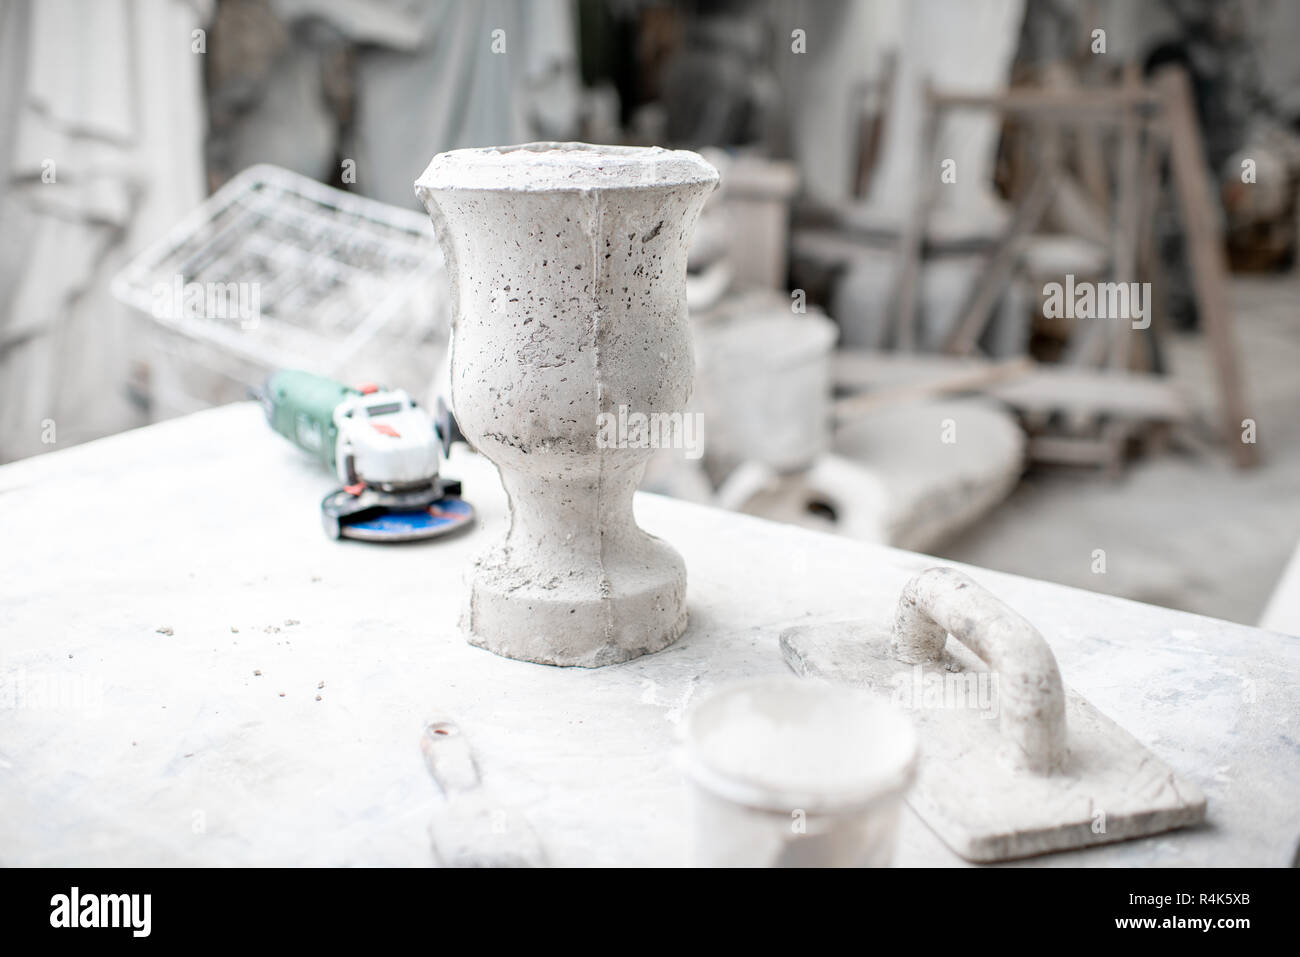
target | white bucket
x=763, y=382
x=790, y=772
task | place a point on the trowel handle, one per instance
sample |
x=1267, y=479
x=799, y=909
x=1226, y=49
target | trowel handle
x=943, y=601
x=447, y=756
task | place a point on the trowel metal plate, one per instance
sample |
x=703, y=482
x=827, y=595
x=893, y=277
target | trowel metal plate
x=1111, y=788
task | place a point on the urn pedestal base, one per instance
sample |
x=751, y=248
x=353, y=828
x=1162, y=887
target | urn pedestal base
x=555, y=620
x=575, y=581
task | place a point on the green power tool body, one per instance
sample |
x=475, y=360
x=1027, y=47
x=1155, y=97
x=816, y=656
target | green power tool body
x=385, y=449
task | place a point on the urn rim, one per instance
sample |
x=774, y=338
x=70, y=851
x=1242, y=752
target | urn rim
x=564, y=167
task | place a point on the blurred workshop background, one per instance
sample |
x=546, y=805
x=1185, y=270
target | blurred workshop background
x=898, y=292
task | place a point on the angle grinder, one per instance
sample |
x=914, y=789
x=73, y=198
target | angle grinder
x=385, y=449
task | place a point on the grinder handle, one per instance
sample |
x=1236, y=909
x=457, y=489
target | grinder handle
x=943, y=601
x=448, y=757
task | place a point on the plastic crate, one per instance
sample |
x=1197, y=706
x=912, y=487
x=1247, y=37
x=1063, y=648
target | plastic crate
x=344, y=285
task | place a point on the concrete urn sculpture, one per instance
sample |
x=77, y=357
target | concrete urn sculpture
x=568, y=277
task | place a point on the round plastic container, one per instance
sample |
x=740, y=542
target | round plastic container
x=790, y=772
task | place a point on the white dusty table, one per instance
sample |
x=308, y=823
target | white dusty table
x=121, y=744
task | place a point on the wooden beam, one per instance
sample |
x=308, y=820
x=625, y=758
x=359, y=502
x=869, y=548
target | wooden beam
x=965, y=333
x=1043, y=390
x=1205, y=251
x=1124, y=257
x=1067, y=106
x=1149, y=265
x=911, y=244
x=970, y=379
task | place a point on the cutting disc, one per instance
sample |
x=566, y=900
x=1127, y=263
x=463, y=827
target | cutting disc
x=381, y=523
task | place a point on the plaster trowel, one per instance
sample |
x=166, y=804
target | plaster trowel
x=1013, y=762
x=470, y=829
x=385, y=450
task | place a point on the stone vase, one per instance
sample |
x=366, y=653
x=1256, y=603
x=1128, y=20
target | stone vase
x=568, y=275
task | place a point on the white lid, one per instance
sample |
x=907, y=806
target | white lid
x=783, y=742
